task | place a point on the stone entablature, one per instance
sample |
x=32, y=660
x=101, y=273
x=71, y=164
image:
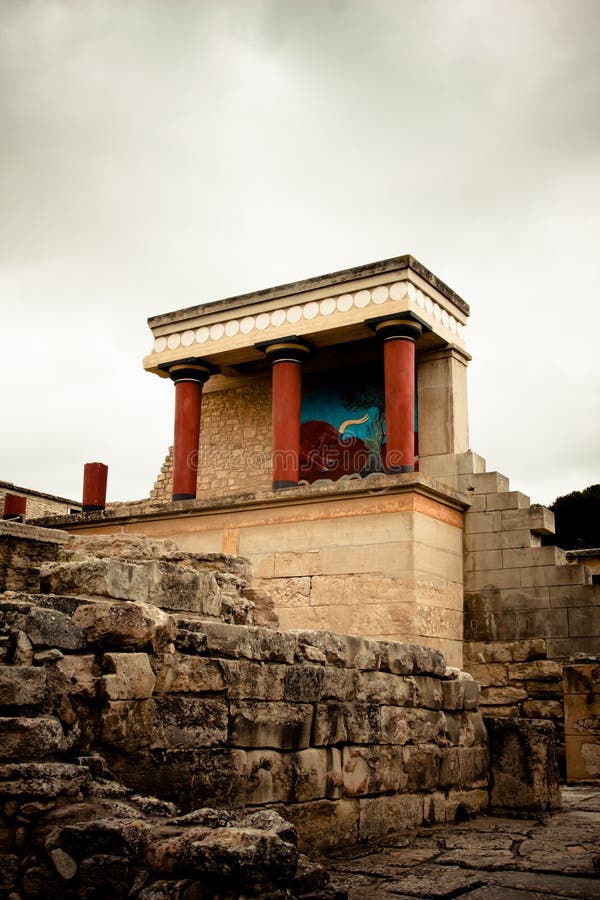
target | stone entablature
x=327, y=310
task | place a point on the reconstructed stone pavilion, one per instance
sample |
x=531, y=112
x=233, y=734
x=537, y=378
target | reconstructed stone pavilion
x=316, y=403
x=321, y=431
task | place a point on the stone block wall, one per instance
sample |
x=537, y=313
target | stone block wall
x=38, y=503
x=116, y=658
x=235, y=440
x=527, y=610
x=582, y=720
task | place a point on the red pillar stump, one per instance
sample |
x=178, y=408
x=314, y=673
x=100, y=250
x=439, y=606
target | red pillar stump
x=286, y=358
x=399, y=336
x=95, y=476
x=14, y=507
x=189, y=377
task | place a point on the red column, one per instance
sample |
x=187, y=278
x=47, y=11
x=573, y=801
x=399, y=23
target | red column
x=286, y=359
x=399, y=336
x=14, y=507
x=189, y=378
x=95, y=476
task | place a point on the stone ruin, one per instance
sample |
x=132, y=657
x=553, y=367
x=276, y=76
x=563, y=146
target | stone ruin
x=161, y=738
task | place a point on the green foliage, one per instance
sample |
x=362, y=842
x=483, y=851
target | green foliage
x=577, y=518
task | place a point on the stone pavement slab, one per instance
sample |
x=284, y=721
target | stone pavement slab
x=554, y=857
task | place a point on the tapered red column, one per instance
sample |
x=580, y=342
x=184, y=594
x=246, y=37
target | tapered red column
x=286, y=359
x=399, y=336
x=15, y=507
x=189, y=377
x=95, y=476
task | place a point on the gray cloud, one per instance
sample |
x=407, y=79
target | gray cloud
x=155, y=155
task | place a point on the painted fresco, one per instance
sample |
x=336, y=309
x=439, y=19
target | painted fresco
x=342, y=427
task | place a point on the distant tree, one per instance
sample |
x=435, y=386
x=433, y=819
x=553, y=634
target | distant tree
x=577, y=518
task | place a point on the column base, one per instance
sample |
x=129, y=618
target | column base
x=13, y=518
x=89, y=507
x=398, y=470
x=284, y=484
x=184, y=497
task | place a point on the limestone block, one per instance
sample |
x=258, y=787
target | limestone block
x=244, y=855
x=427, y=661
x=284, y=726
x=50, y=628
x=484, y=483
x=525, y=598
x=543, y=622
x=324, y=825
x=310, y=774
x=124, y=626
x=478, y=522
x=502, y=696
x=500, y=540
x=478, y=560
x=190, y=674
x=333, y=647
x=563, y=647
x=177, y=587
x=422, y=767
x=23, y=738
x=575, y=595
x=189, y=721
x=23, y=652
x=291, y=564
x=383, y=687
x=537, y=670
x=506, y=651
x=264, y=609
x=128, y=725
x=249, y=642
x=22, y=685
x=583, y=621
x=471, y=695
x=523, y=765
x=555, y=575
x=253, y=680
x=303, y=683
x=462, y=730
x=396, y=657
x=363, y=589
x=428, y=692
x=488, y=674
x=112, y=578
x=507, y=500
x=543, y=709
x=453, y=695
x=461, y=804
x=129, y=676
x=385, y=815
x=493, y=578
x=583, y=757
x=537, y=518
x=286, y=592
x=582, y=678
x=582, y=714
x=80, y=675
x=338, y=684
x=464, y=767
x=124, y=546
x=534, y=556
x=394, y=557
x=373, y=770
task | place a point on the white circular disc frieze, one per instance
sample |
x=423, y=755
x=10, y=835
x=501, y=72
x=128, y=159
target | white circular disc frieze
x=217, y=331
x=429, y=305
x=380, y=294
x=232, y=327
x=160, y=344
x=437, y=312
x=310, y=310
x=362, y=299
x=445, y=318
x=327, y=307
x=201, y=335
x=173, y=341
x=344, y=303
x=294, y=314
x=247, y=324
x=398, y=290
x=421, y=299
x=278, y=317
x=452, y=324
x=187, y=338
x=263, y=320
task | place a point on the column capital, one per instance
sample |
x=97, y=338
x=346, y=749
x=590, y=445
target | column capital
x=404, y=326
x=190, y=369
x=286, y=349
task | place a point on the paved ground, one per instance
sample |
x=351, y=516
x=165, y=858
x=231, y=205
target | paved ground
x=487, y=858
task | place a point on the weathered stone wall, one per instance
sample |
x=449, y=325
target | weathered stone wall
x=379, y=556
x=38, y=504
x=353, y=738
x=582, y=720
x=235, y=441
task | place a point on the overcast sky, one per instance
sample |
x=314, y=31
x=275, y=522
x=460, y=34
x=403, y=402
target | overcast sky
x=156, y=154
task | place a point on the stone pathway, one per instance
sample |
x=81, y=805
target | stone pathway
x=487, y=858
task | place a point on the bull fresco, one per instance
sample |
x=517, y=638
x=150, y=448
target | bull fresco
x=342, y=428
